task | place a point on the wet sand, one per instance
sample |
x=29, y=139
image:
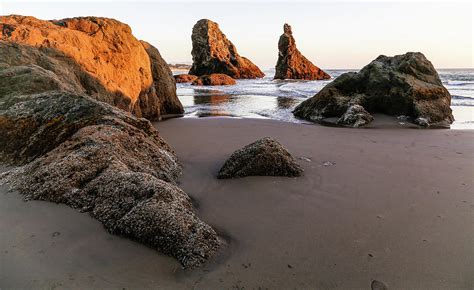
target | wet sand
x=395, y=205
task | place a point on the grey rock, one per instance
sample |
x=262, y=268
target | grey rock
x=264, y=157
x=404, y=84
x=355, y=116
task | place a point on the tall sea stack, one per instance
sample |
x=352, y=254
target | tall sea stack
x=214, y=53
x=291, y=63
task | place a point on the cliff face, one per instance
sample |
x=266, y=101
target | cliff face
x=214, y=53
x=291, y=63
x=106, y=61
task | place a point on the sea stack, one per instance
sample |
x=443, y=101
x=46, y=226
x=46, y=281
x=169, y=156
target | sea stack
x=291, y=63
x=99, y=57
x=213, y=53
x=405, y=84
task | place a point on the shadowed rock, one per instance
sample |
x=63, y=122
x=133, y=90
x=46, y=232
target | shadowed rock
x=291, y=63
x=355, y=116
x=214, y=80
x=265, y=157
x=93, y=156
x=404, y=84
x=214, y=53
x=100, y=57
x=96, y=158
x=185, y=78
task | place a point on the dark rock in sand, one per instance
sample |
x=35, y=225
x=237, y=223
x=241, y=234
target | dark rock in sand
x=377, y=285
x=97, y=158
x=355, y=116
x=214, y=80
x=292, y=64
x=214, y=53
x=96, y=56
x=265, y=157
x=404, y=84
x=184, y=78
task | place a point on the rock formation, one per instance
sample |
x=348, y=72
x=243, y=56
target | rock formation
x=355, y=116
x=92, y=156
x=265, y=157
x=292, y=64
x=100, y=57
x=214, y=80
x=214, y=53
x=99, y=159
x=404, y=84
x=184, y=78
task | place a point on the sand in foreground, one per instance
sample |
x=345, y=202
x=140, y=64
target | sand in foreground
x=394, y=205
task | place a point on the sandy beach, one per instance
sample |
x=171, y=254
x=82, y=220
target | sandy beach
x=393, y=204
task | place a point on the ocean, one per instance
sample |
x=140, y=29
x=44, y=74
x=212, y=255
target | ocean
x=275, y=99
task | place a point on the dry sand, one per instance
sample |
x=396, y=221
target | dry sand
x=394, y=205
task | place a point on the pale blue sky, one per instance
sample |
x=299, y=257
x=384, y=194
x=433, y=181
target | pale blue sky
x=332, y=35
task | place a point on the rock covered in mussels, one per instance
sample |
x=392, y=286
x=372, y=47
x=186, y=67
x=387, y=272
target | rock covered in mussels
x=264, y=157
x=96, y=56
x=292, y=64
x=213, y=53
x=214, y=80
x=405, y=84
x=100, y=159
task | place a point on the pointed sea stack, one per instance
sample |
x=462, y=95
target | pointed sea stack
x=214, y=53
x=292, y=64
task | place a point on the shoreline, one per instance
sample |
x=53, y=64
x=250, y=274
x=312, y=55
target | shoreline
x=393, y=205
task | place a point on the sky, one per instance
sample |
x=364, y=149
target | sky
x=331, y=34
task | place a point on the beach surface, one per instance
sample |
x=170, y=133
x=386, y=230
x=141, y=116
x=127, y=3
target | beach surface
x=389, y=204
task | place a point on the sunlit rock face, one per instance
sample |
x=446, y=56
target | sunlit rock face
x=291, y=63
x=213, y=53
x=405, y=84
x=214, y=80
x=102, y=57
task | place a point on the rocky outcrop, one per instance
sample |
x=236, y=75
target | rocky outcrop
x=355, y=116
x=184, y=78
x=214, y=80
x=76, y=150
x=292, y=64
x=96, y=56
x=213, y=53
x=99, y=159
x=404, y=84
x=265, y=157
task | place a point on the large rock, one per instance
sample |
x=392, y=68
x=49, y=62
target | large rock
x=184, y=78
x=404, y=84
x=213, y=53
x=100, y=159
x=214, y=80
x=264, y=157
x=97, y=56
x=292, y=64
x=93, y=156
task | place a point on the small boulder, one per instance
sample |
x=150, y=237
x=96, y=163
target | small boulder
x=405, y=84
x=214, y=80
x=292, y=64
x=213, y=53
x=265, y=157
x=185, y=78
x=355, y=116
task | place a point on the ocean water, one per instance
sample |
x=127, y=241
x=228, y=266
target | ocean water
x=275, y=99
